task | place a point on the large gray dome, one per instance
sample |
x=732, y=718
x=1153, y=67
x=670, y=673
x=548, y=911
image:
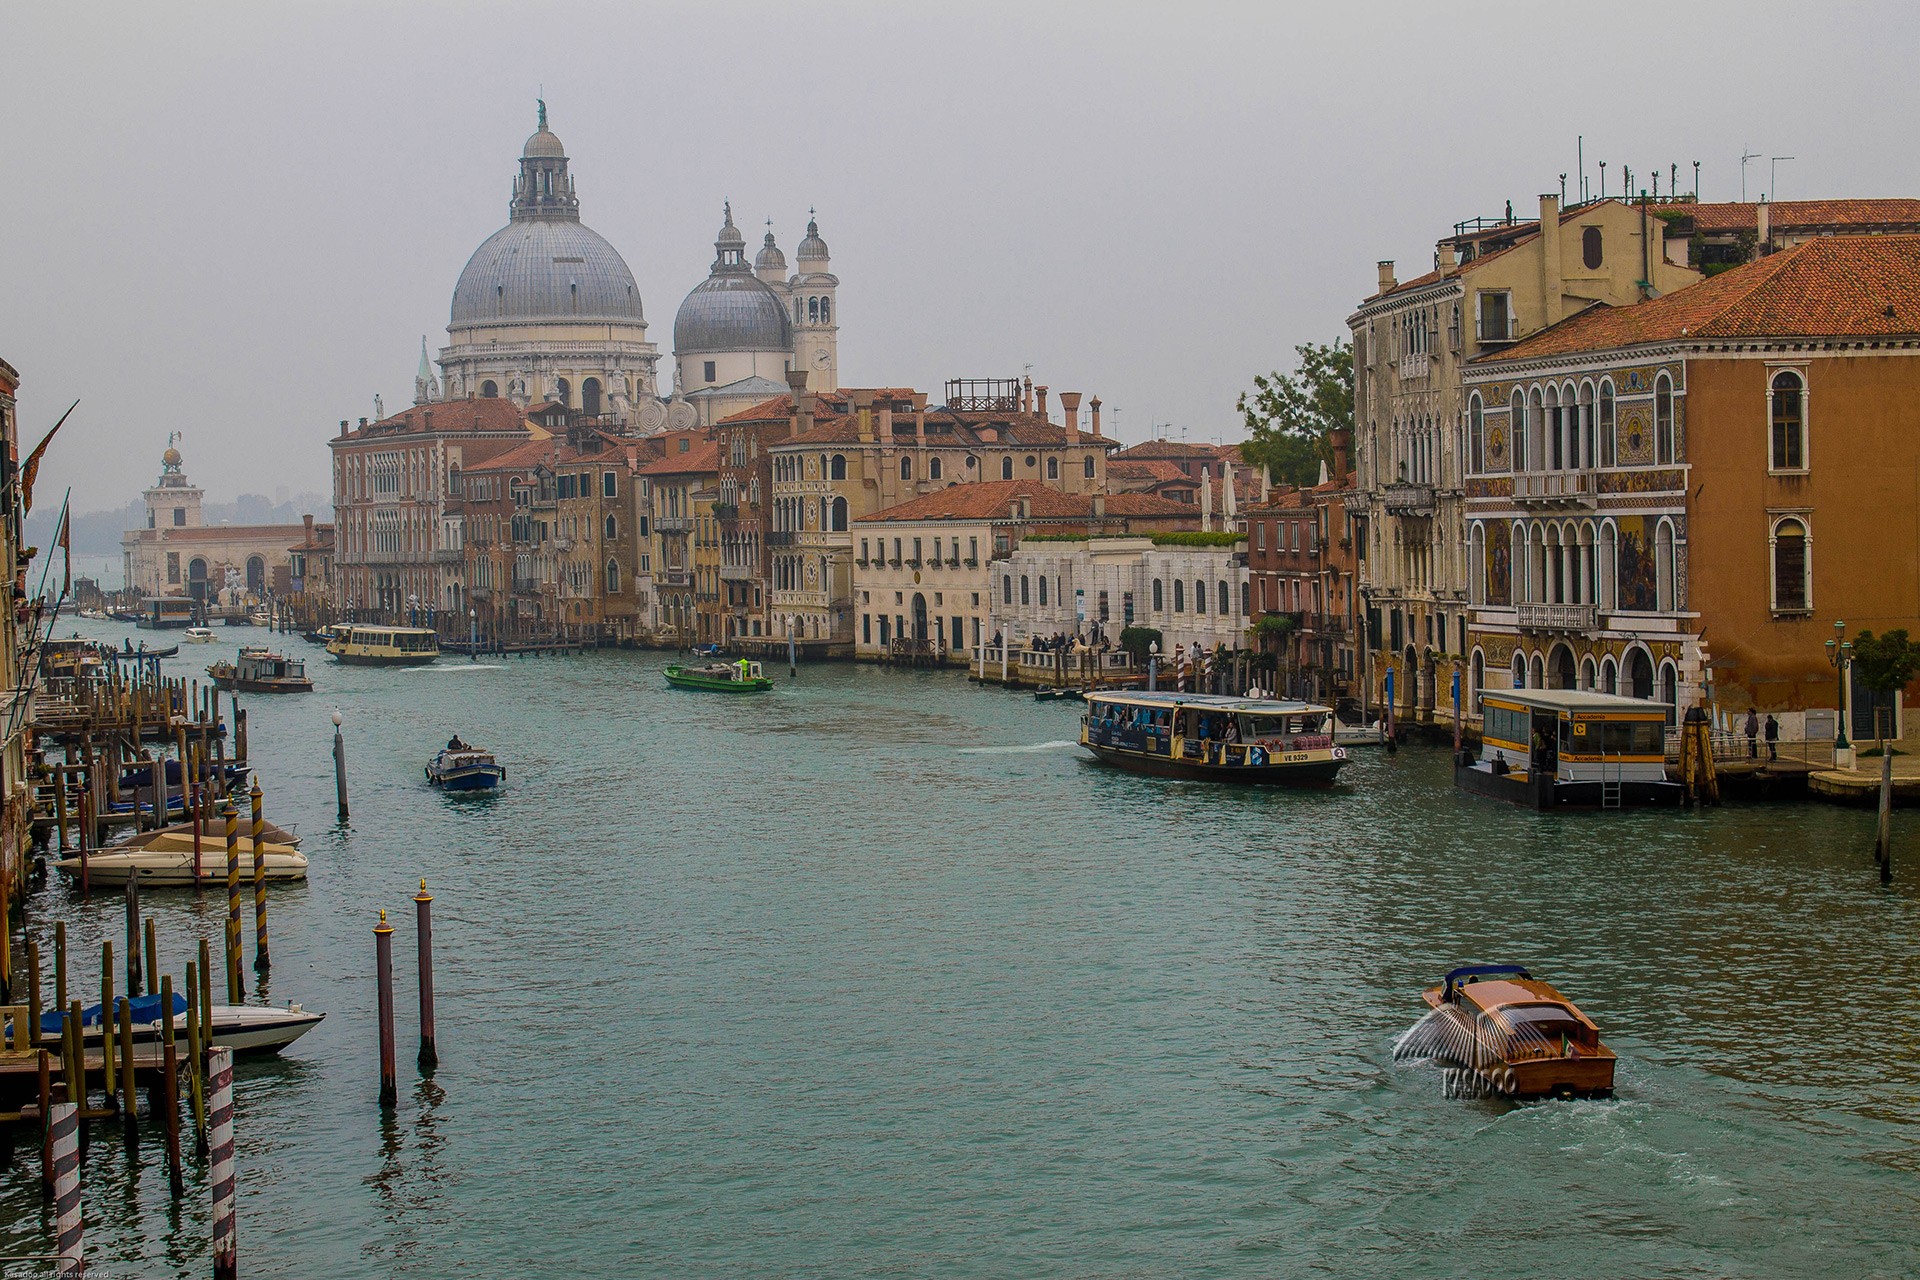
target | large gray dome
x=731, y=311
x=545, y=269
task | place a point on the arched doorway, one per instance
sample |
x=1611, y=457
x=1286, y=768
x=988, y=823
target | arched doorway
x=1411, y=672
x=1639, y=675
x=1563, y=675
x=919, y=616
x=590, y=397
x=1477, y=683
x=563, y=392
x=1670, y=690
x=197, y=579
x=256, y=575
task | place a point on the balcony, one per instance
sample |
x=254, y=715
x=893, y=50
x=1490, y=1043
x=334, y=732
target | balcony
x=1355, y=501
x=1556, y=488
x=736, y=573
x=1414, y=366
x=673, y=524
x=782, y=538
x=1409, y=499
x=1557, y=617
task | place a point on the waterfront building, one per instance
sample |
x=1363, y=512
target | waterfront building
x=709, y=618
x=16, y=795
x=1189, y=594
x=922, y=571
x=1495, y=282
x=1676, y=500
x=179, y=554
x=668, y=485
x=1302, y=562
x=310, y=569
x=1713, y=237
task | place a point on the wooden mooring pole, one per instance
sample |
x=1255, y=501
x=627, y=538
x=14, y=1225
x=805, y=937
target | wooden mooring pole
x=261, y=962
x=383, y=973
x=133, y=934
x=170, y=1088
x=423, y=910
x=234, y=992
x=339, y=766
x=220, y=1147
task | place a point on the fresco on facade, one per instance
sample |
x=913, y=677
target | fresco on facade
x=1639, y=590
x=1499, y=563
x=1634, y=436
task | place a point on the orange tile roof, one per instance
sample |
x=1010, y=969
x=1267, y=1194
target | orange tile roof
x=1149, y=504
x=988, y=500
x=1155, y=450
x=701, y=457
x=1798, y=215
x=478, y=414
x=1828, y=287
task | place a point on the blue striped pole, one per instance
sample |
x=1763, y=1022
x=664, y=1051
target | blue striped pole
x=64, y=1125
x=220, y=1119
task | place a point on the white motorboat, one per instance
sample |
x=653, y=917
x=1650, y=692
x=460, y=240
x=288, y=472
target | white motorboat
x=1360, y=735
x=244, y=1028
x=199, y=635
x=167, y=861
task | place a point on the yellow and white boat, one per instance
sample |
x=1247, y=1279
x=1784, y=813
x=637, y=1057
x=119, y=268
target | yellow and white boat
x=369, y=645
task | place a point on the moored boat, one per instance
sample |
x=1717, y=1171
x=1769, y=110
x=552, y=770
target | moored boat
x=743, y=676
x=243, y=1028
x=257, y=670
x=366, y=645
x=170, y=862
x=1517, y=1034
x=1213, y=738
x=465, y=768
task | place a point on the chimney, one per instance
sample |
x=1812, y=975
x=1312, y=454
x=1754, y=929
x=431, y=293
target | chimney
x=1342, y=440
x=1763, y=228
x=802, y=401
x=862, y=402
x=1070, y=409
x=1094, y=406
x=1099, y=506
x=885, y=425
x=343, y=428
x=1026, y=395
x=307, y=522
x=1448, y=262
x=363, y=424
x=920, y=418
x=1387, y=282
x=1040, y=401
x=1551, y=288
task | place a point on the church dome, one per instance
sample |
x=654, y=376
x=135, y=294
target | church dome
x=813, y=248
x=545, y=269
x=543, y=144
x=731, y=311
x=770, y=258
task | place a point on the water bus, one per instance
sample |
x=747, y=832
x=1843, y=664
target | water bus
x=157, y=613
x=1548, y=747
x=1213, y=737
x=367, y=645
x=743, y=676
x=1519, y=1035
x=258, y=670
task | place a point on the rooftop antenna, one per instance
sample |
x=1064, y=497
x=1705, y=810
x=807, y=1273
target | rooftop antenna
x=1603, y=179
x=1563, y=188
x=1773, y=179
x=1580, y=157
x=1696, y=180
x=1656, y=184
x=1744, y=157
x=1673, y=180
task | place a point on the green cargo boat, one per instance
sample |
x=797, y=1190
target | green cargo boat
x=720, y=677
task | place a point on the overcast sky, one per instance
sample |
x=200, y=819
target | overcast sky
x=236, y=221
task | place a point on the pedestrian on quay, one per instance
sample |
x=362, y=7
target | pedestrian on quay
x=1753, y=734
x=1773, y=738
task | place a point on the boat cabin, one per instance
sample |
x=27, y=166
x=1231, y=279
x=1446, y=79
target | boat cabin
x=1212, y=736
x=1548, y=747
x=158, y=613
x=376, y=645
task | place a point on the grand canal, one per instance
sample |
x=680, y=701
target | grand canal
x=876, y=975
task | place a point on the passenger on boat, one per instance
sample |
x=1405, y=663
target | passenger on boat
x=455, y=744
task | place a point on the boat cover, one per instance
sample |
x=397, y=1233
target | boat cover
x=146, y=1009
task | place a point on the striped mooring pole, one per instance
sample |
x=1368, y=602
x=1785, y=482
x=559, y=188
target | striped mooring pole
x=63, y=1120
x=220, y=1120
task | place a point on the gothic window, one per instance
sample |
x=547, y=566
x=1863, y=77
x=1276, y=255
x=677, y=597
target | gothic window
x=1664, y=568
x=1792, y=577
x=612, y=528
x=1199, y=595
x=933, y=469
x=1607, y=453
x=1225, y=598
x=906, y=468
x=1663, y=420
x=1476, y=436
x=1053, y=468
x=1043, y=588
x=1179, y=596
x=613, y=575
x=1789, y=447
x=1517, y=429
x=1025, y=589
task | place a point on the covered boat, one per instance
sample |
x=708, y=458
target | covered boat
x=365, y=645
x=260, y=670
x=465, y=768
x=743, y=676
x=1548, y=747
x=199, y=635
x=1521, y=1037
x=1213, y=737
x=244, y=1028
x=170, y=861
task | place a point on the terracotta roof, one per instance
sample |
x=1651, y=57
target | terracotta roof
x=478, y=414
x=701, y=457
x=1148, y=470
x=988, y=500
x=322, y=540
x=1794, y=215
x=548, y=452
x=1149, y=504
x=1153, y=450
x=1828, y=287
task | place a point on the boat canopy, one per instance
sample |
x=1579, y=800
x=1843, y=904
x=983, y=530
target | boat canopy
x=1455, y=977
x=1209, y=702
x=1570, y=702
x=146, y=1009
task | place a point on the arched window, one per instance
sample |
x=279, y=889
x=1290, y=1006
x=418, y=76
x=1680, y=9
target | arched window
x=1590, y=248
x=1026, y=588
x=1053, y=468
x=933, y=468
x=613, y=528
x=1788, y=415
x=1792, y=567
x=838, y=468
x=613, y=577
x=1006, y=589
x=1006, y=468
x=1179, y=595
x=796, y=311
x=906, y=468
x=1639, y=675
x=1517, y=429
x=1609, y=568
x=813, y=309
x=1537, y=676
x=1664, y=567
x=1536, y=430
x=1476, y=436
x=1663, y=420
x=1199, y=596
x=1670, y=689
x=1519, y=670
x=1225, y=599
x=1609, y=676
x=1477, y=564
x=1586, y=674
x=1552, y=455
x=839, y=515
x=1584, y=426
x=1607, y=453
x=489, y=390
x=1043, y=589
x=826, y=311
x=1159, y=597
x=590, y=397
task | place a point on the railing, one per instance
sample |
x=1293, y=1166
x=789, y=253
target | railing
x=1730, y=746
x=1554, y=486
x=1409, y=499
x=674, y=524
x=1414, y=366
x=736, y=573
x=1557, y=617
x=781, y=538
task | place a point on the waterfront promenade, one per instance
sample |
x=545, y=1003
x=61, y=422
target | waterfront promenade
x=876, y=974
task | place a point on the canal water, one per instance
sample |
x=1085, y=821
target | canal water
x=877, y=975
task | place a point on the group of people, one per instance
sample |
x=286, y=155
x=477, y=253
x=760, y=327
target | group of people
x=1753, y=735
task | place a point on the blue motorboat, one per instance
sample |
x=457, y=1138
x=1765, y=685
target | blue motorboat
x=707, y=651
x=465, y=768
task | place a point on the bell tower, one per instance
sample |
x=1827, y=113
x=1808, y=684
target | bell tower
x=816, y=315
x=173, y=502
x=544, y=188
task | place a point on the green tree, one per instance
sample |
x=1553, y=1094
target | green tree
x=1885, y=663
x=1291, y=417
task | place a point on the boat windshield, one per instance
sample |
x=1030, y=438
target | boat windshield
x=1548, y=1021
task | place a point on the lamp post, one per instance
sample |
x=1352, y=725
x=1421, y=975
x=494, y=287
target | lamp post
x=473, y=635
x=1838, y=652
x=1153, y=665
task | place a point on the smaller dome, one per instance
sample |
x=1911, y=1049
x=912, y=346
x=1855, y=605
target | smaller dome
x=730, y=312
x=544, y=144
x=770, y=258
x=729, y=234
x=813, y=248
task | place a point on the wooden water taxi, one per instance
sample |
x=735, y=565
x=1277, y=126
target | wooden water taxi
x=258, y=670
x=199, y=635
x=365, y=645
x=464, y=768
x=743, y=676
x=1547, y=747
x=1212, y=737
x=1519, y=1035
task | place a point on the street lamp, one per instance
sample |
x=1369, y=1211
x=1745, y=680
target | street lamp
x=1838, y=652
x=1153, y=665
x=473, y=635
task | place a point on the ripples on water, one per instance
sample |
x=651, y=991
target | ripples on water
x=874, y=975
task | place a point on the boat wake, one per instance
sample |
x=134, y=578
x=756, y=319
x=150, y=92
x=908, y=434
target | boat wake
x=1443, y=1039
x=1019, y=751
x=458, y=666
